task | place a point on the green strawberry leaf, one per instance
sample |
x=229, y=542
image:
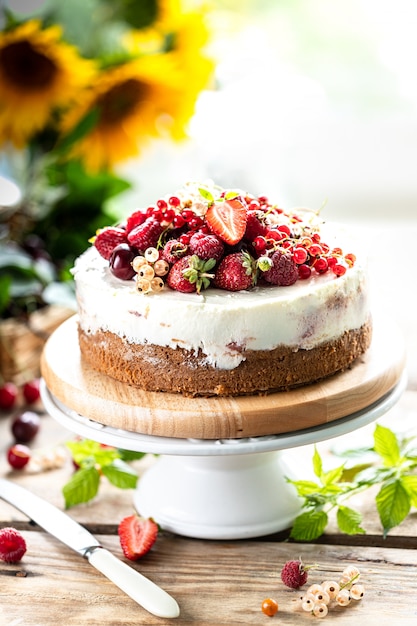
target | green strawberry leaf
x=393, y=504
x=82, y=487
x=349, y=521
x=130, y=455
x=309, y=526
x=317, y=463
x=120, y=474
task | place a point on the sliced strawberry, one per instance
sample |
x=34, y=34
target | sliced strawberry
x=137, y=536
x=227, y=220
x=107, y=239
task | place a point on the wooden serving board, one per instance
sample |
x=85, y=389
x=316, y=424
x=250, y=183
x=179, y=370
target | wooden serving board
x=112, y=403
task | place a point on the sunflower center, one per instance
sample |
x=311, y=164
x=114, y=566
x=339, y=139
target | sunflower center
x=120, y=100
x=26, y=67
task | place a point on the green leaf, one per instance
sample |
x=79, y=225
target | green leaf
x=82, y=487
x=317, y=463
x=409, y=482
x=207, y=195
x=309, y=526
x=120, y=474
x=87, y=453
x=393, y=504
x=305, y=487
x=85, y=125
x=5, y=284
x=386, y=445
x=130, y=455
x=349, y=521
x=332, y=476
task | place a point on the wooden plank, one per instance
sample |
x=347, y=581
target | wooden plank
x=214, y=583
x=116, y=404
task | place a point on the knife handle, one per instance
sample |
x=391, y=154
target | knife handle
x=138, y=587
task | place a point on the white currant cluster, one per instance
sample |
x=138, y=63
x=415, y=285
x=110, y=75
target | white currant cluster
x=319, y=598
x=149, y=270
x=45, y=459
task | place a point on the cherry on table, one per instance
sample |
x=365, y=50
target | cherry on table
x=8, y=396
x=25, y=426
x=31, y=391
x=18, y=456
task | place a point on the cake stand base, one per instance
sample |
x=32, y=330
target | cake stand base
x=231, y=497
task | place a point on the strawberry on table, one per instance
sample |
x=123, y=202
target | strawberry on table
x=227, y=219
x=137, y=535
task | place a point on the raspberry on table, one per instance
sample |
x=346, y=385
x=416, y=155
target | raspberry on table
x=294, y=574
x=12, y=545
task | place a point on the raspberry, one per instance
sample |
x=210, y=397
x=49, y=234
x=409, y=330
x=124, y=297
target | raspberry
x=235, y=272
x=135, y=219
x=283, y=272
x=294, y=574
x=174, y=250
x=145, y=235
x=206, y=246
x=255, y=226
x=12, y=545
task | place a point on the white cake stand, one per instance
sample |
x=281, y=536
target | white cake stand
x=220, y=489
x=223, y=462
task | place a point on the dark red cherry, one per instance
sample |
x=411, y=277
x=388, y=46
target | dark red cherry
x=120, y=262
x=25, y=426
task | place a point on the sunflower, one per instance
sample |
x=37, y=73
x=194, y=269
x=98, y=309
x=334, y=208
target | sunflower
x=38, y=72
x=183, y=36
x=131, y=103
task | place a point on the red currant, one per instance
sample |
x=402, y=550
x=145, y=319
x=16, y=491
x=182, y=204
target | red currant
x=18, y=456
x=320, y=265
x=31, y=391
x=8, y=396
x=178, y=221
x=338, y=269
x=161, y=204
x=300, y=255
x=304, y=272
x=174, y=201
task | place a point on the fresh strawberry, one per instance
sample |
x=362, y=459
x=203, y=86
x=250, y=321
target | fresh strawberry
x=227, y=219
x=190, y=274
x=236, y=272
x=283, y=272
x=206, y=246
x=137, y=536
x=135, y=219
x=255, y=225
x=174, y=250
x=145, y=235
x=12, y=545
x=106, y=239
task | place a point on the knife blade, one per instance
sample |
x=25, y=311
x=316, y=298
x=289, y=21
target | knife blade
x=146, y=593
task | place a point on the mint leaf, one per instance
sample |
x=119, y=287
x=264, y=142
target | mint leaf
x=349, y=521
x=393, y=504
x=120, y=474
x=386, y=445
x=82, y=487
x=309, y=526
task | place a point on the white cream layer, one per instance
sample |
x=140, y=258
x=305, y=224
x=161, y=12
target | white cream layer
x=221, y=324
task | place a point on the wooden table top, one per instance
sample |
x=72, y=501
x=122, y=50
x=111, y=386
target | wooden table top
x=215, y=582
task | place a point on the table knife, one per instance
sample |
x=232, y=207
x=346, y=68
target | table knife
x=63, y=527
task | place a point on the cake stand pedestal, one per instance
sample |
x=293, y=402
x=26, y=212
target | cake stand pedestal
x=231, y=484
